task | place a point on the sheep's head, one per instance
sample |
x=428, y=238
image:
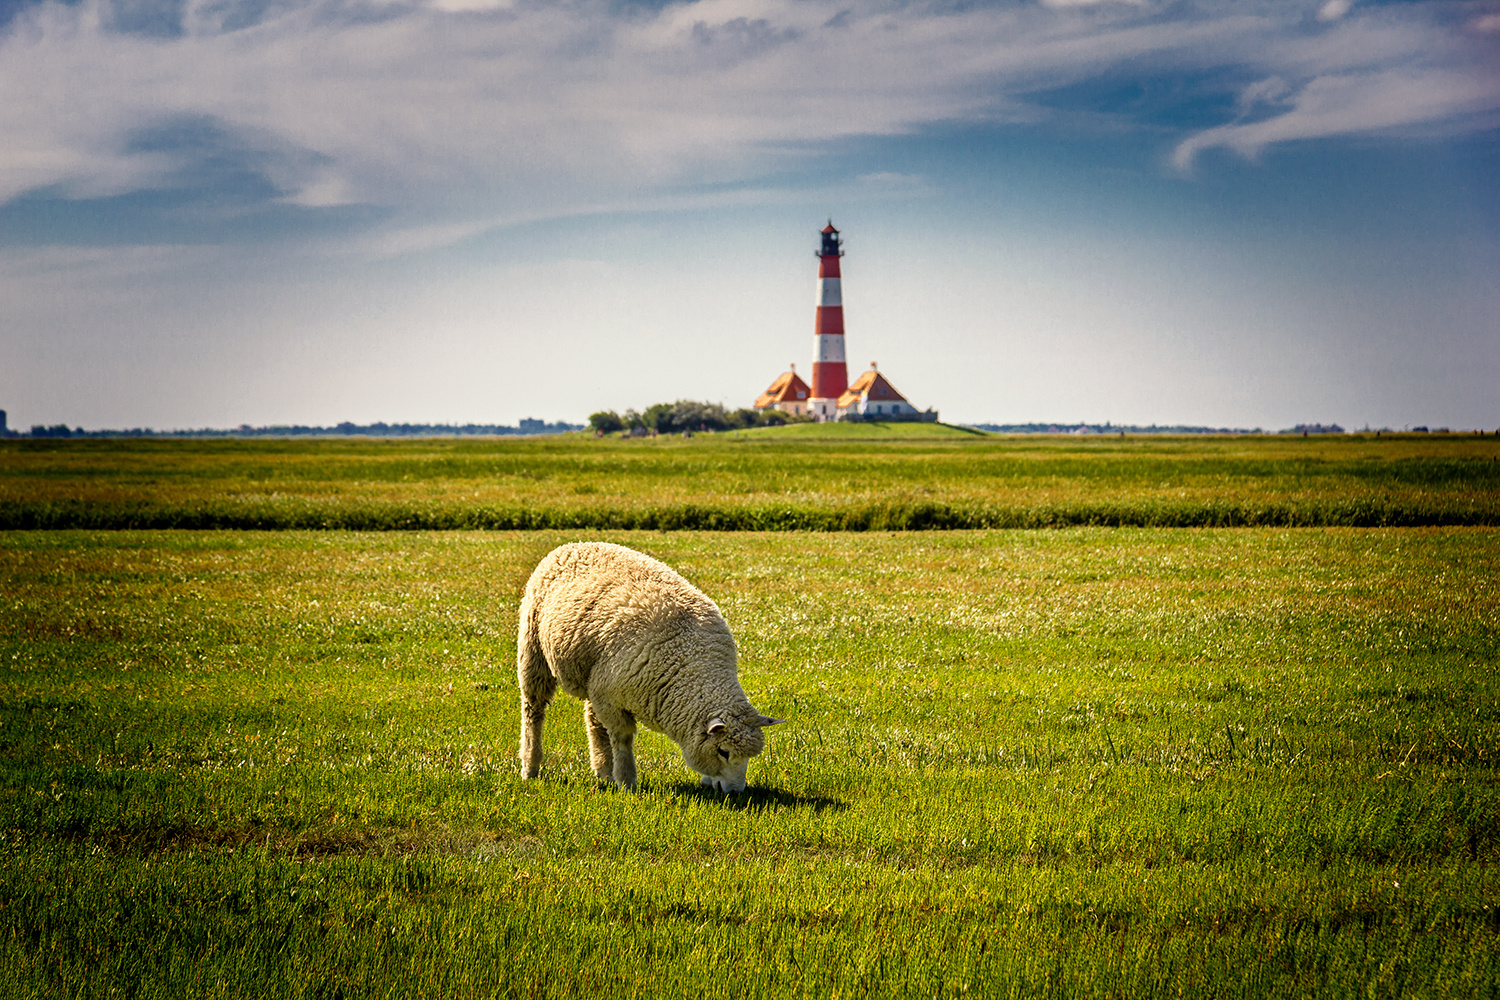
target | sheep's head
x=722, y=751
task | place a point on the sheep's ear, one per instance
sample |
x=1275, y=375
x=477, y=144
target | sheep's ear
x=766, y=720
x=715, y=726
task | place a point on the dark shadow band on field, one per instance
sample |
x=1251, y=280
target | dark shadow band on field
x=294, y=514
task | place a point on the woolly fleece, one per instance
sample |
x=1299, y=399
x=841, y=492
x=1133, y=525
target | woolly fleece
x=640, y=645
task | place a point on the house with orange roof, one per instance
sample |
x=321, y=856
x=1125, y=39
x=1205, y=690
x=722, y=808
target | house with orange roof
x=788, y=394
x=872, y=397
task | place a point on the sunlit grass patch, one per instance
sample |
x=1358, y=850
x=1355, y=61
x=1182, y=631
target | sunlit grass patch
x=799, y=477
x=1140, y=761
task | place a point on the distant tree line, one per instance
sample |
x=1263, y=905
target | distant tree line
x=1108, y=428
x=687, y=416
x=345, y=429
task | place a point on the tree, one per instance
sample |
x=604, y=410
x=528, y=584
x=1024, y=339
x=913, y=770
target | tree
x=690, y=415
x=658, y=417
x=606, y=422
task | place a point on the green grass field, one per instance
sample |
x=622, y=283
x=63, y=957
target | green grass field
x=817, y=477
x=1082, y=762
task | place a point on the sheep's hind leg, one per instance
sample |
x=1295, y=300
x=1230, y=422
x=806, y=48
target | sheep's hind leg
x=537, y=688
x=600, y=757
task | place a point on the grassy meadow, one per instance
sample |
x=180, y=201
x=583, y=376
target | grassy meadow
x=1207, y=762
x=811, y=477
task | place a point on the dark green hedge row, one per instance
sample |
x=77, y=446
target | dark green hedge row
x=925, y=516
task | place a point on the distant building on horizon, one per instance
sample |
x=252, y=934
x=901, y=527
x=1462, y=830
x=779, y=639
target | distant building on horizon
x=831, y=397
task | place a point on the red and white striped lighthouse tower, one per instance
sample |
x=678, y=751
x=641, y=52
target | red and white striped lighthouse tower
x=829, y=376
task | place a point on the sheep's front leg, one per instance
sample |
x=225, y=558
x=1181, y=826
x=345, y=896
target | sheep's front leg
x=611, y=742
x=600, y=757
x=623, y=745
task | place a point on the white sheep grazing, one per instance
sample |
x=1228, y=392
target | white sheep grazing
x=639, y=644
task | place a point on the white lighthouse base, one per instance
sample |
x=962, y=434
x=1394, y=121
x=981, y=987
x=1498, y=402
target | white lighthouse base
x=823, y=410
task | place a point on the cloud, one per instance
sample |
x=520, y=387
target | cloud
x=1334, y=9
x=1090, y=3
x=1350, y=104
x=445, y=109
x=1382, y=71
x=470, y=6
x=887, y=183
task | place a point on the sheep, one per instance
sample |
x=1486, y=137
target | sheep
x=638, y=644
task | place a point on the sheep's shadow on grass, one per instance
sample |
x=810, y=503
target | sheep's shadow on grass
x=752, y=799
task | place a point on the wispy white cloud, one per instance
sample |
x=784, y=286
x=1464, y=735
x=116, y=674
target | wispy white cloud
x=1349, y=105
x=1334, y=9
x=463, y=6
x=526, y=107
x=1090, y=3
x=888, y=183
x=1372, y=72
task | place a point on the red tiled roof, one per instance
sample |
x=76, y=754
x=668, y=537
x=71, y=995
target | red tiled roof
x=873, y=387
x=788, y=388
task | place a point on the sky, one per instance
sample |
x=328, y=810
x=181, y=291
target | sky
x=1236, y=213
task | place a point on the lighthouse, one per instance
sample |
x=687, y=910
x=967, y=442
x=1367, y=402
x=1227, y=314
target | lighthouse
x=829, y=376
x=831, y=397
